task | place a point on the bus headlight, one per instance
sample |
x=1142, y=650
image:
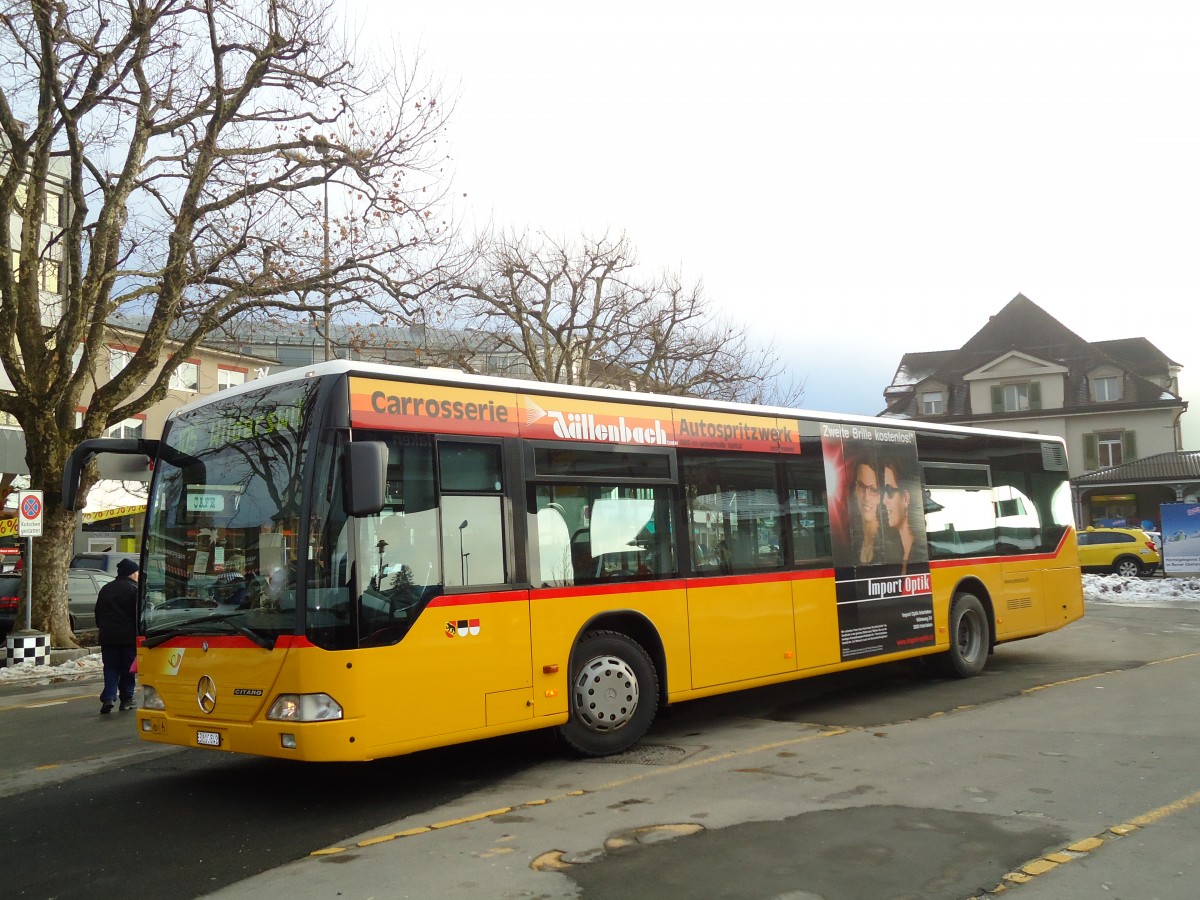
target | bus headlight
x=305, y=708
x=150, y=698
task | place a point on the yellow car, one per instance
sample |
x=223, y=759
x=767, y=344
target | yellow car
x=1121, y=551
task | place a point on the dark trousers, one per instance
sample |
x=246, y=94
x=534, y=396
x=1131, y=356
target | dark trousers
x=118, y=660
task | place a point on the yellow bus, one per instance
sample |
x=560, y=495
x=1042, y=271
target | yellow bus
x=356, y=561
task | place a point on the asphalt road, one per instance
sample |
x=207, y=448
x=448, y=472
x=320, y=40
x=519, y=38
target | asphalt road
x=881, y=783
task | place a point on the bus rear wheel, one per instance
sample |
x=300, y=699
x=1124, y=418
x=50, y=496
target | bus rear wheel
x=970, y=638
x=614, y=694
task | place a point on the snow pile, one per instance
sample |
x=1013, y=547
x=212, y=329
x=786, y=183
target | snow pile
x=1121, y=591
x=72, y=670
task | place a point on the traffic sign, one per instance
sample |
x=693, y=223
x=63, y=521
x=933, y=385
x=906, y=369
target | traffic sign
x=29, y=514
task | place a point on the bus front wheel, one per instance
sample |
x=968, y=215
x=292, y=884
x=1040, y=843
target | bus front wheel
x=614, y=694
x=970, y=638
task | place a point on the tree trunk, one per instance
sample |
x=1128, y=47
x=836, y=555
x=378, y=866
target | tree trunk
x=51, y=557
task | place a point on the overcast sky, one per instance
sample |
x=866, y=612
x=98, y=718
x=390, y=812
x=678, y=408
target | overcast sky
x=854, y=180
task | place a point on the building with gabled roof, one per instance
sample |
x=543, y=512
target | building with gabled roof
x=1114, y=402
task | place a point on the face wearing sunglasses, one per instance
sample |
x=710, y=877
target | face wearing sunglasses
x=889, y=491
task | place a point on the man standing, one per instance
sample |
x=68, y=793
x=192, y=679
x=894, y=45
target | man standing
x=116, y=619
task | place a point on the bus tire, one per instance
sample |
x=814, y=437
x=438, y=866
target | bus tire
x=970, y=638
x=613, y=694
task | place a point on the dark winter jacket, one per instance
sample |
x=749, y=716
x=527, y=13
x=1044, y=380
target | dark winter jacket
x=116, y=612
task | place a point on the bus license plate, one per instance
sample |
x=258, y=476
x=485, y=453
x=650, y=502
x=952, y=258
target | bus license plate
x=208, y=738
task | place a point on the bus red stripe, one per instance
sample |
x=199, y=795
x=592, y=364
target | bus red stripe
x=447, y=600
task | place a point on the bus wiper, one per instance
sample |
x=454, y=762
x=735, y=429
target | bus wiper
x=161, y=635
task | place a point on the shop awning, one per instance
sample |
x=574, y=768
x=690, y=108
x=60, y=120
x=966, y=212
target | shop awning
x=111, y=499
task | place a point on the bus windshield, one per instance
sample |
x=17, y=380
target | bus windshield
x=221, y=542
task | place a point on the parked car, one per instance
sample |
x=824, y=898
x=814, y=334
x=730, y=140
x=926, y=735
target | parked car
x=10, y=597
x=82, y=587
x=1119, y=551
x=1157, y=538
x=104, y=560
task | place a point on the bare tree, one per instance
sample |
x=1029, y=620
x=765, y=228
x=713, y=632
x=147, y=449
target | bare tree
x=583, y=314
x=196, y=144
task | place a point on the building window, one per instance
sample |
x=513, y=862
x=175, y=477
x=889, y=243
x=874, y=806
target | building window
x=54, y=206
x=1106, y=389
x=1108, y=448
x=1016, y=397
x=227, y=378
x=186, y=377
x=933, y=403
x=1102, y=449
x=118, y=359
x=130, y=429
x=49, y=274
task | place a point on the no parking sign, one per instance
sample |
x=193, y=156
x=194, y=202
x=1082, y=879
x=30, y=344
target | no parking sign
x=29, y=514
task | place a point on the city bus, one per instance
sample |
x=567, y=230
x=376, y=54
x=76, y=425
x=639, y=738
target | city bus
x=355, y=561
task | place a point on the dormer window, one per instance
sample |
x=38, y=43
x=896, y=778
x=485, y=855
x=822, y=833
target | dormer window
x=1106, y=388
x=933, y=403
x=1016, y=397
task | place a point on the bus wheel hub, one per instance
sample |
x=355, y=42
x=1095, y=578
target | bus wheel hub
x=606, y=693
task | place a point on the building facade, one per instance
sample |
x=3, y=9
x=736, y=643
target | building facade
x=113, y=515
x=1114, y=402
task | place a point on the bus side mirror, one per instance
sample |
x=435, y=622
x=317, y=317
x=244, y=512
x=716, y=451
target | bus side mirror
x=364, y=473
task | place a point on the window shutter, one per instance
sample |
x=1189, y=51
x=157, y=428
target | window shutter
x=997, y=398
x=1035, y=395
x=1091, y=457
x=1129, y=446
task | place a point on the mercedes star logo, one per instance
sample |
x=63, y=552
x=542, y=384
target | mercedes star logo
x=206, y=694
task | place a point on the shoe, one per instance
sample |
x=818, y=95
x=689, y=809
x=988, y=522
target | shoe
x=127, y=704
x=105, y=708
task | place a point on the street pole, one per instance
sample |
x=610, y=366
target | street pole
x=325, y=263
x=462, y=557
x=29, y=584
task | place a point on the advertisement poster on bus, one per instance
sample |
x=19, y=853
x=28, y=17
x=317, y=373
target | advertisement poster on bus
x=884, y=593
x=1181, y=538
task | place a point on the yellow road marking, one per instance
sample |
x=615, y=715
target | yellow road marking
x=462, y=820
x=1080, y=848
x=32, y=705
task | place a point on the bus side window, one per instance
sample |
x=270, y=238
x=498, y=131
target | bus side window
x=960, y=522
x=808, y=509
x=470, y=476
x=557, y=567
x=620, y=532
x=734, y=513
